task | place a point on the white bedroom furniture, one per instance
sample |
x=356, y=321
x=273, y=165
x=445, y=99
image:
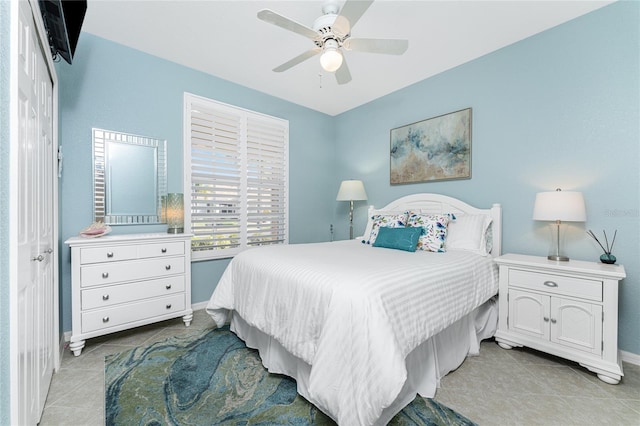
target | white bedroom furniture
x=125, y=281
x=361, y=328
x=568, y=309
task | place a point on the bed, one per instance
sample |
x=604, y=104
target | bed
x=362, y=326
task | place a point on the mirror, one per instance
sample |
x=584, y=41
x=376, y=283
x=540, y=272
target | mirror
x=129, y=178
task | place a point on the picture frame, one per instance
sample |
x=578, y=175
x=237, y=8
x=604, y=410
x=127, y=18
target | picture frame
x=432, y=150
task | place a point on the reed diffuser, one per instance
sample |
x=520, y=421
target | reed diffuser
x=607, y=257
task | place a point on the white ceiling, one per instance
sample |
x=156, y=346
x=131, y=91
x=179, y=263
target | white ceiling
x=227, y=40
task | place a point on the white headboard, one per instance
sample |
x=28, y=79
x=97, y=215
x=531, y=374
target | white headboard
x=439, y=204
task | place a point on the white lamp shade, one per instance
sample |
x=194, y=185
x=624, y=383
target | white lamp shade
x=331, y=58
x=351, y=190
x=566, y=206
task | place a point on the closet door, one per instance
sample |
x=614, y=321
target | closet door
x=34, y=322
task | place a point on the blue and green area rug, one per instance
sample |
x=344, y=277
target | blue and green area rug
x=214, y=379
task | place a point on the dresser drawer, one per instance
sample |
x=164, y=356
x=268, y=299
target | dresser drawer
x=103, y=297
x=108, y=254
x=556, y=284
x=108, y=273
x=161, y=249
x=131, y=312
x=130, y=252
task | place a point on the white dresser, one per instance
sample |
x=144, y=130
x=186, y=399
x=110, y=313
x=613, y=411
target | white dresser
x=125, y=281
x=568, y=309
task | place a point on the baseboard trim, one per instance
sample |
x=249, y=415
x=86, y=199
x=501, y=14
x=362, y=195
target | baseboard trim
x=629, y=357
x=198, y=306
x=61, y=347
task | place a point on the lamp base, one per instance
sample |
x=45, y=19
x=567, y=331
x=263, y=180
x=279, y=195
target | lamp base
x=557, y=258
x=175, y=230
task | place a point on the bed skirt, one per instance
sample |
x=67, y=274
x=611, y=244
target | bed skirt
x=426, y=364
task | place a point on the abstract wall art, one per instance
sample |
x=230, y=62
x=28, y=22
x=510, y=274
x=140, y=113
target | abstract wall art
x=434, y=149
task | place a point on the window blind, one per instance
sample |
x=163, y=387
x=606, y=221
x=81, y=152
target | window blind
x=238, y=180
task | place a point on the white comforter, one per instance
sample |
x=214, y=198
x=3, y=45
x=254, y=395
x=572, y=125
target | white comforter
x=352, y=311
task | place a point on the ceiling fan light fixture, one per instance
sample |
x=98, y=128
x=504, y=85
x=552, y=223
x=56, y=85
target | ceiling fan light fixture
x=331, y=58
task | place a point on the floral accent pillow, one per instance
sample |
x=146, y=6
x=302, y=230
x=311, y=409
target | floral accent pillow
x=385, y=220
x=435, y=230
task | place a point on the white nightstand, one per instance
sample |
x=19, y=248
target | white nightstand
x=568, y=309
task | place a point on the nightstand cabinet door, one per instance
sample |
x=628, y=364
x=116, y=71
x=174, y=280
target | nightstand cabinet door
x=576, y=324
x=529, y=313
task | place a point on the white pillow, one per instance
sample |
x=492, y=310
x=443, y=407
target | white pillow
x=374, y=219
x=469, y=232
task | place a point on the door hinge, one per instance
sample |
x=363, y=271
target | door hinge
x=60, y=158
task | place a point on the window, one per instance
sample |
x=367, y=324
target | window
x=236, y=178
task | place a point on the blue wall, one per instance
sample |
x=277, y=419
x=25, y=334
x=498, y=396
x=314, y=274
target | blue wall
x=559, y=109
x=114, y=87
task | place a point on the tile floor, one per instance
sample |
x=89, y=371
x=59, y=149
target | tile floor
x=499, y=387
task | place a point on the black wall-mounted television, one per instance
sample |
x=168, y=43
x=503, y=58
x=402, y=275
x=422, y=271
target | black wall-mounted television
x=63, y=21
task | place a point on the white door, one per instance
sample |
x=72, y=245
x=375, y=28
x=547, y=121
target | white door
x=34, y=322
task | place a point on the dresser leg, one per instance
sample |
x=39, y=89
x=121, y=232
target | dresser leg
x=504, y=345
x=187, y=319
x=76, y=347
x=608, y=379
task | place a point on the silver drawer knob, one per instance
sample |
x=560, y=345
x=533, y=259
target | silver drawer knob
x=163, y=250
x=167, y=267
x=553, y=321
x=105, y=319
x=105, y=297
x=105, y=275
x=110, y=254
x=168, y=305
x=546, y=319
x=550, y=284
x=168, y=286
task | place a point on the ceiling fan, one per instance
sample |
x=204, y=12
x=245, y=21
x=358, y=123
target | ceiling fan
x=331, y=33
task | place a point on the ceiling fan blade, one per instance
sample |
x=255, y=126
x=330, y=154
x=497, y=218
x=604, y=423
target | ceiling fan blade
x=343, y=76
x=300, y=58
x=276, y=19
x=353, y=10
x=373, y=45
x=341, y=27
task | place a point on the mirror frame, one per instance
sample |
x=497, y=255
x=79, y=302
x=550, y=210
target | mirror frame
x=101, y=138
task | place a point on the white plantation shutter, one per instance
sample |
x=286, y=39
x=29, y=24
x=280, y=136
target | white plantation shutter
x=238, y=180
x=266, y=188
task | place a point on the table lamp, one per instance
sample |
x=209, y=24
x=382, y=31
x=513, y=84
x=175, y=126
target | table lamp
x=559, y=206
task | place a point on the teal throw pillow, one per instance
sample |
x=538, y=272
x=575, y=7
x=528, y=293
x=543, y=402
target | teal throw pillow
x=398, y=238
